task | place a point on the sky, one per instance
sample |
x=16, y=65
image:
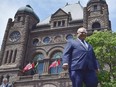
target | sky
x=43, y=9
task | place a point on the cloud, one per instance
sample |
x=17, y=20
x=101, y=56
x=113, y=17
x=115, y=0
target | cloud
x=43, y=8
x=112, y=8
x=112, y=13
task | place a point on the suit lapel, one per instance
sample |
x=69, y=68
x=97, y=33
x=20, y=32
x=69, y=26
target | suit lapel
x=82, y=44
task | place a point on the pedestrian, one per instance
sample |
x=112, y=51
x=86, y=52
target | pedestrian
x=5, y=83
x=79, y=58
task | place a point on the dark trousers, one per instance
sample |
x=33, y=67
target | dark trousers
x=88, y=77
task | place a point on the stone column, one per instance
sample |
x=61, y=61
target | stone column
x=46, y=66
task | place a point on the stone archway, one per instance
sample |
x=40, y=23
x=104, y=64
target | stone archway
x=96, y=25
x=48, y=85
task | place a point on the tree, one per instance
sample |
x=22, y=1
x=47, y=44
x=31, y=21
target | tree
x=104, y=44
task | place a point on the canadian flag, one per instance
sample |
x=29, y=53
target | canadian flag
x=55, y=64
x=28, y=67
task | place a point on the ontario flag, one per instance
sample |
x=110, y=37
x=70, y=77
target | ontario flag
x=28, y=67
x=55, y=64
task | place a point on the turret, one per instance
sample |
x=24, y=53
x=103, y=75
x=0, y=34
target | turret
x=96, y=15
x=14, y=47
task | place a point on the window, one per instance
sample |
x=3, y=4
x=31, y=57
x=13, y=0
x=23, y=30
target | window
x=59, y=23
x=14, y=57
x=35, y=42
x=40, y=68
x=19, y=18
x=11, y=54
x=56, y=57
x=88, y=13
x=63, y=22
x=96, y=25
x=95, y=7
x=56, y=70
x=39, y=58
x=14, y=36
x=55, y=24
x=46, y=40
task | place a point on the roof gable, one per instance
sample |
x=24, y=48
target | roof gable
x=59, y=12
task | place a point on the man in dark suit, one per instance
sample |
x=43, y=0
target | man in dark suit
x=79, y=58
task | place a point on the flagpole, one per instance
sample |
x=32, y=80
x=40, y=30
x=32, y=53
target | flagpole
x=56, y=69
x=36, y=66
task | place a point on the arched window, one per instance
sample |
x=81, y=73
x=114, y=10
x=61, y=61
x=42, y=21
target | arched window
x=40, y=62
x=56, y=57
x=14, y=57
x=95, y=7
x=35, y=42
x=39, y=56
x=96, y=25
x=11, y=54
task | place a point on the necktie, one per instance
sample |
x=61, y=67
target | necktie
x=83, y=41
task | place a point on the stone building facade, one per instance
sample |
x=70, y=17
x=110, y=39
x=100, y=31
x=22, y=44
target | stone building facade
x=27, y=39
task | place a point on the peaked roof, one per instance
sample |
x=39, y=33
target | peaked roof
x=59, y=12
x=76, y=11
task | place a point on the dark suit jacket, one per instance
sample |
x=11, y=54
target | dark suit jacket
x=79, y=56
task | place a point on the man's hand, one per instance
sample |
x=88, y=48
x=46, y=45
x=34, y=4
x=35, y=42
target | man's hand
x=65, y=67
x=97, y=71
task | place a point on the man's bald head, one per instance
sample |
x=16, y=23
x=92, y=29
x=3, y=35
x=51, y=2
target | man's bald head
x=81, y=30
x=82, y=33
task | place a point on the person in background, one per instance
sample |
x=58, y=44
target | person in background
x=79, y=58
x=5, y=83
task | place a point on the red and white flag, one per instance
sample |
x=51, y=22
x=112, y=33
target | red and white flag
x=55, y=64
x=28, y=67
